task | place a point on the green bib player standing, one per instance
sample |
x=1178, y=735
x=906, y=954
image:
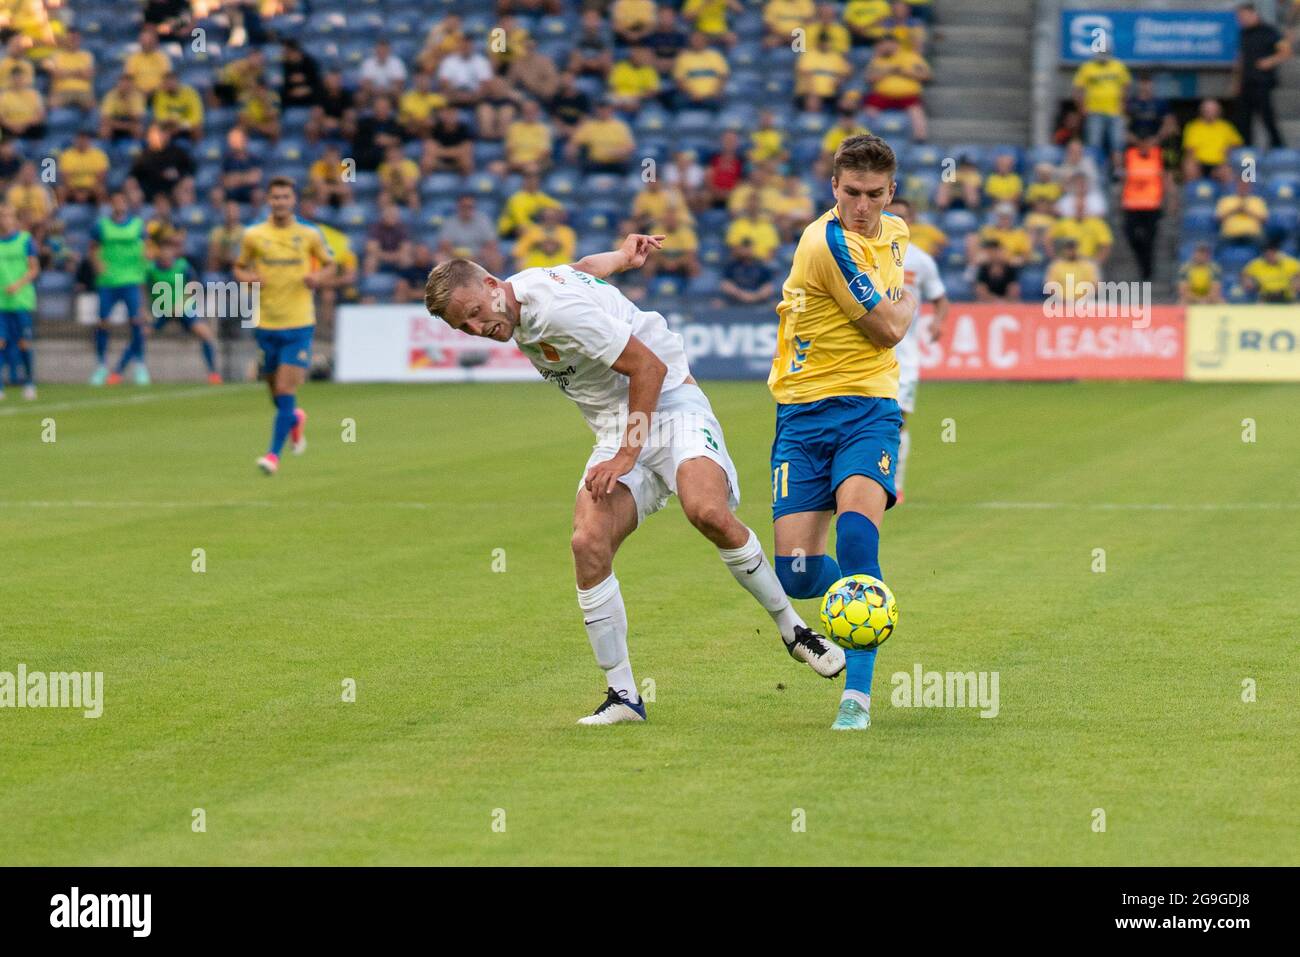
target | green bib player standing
x=19, y=267
x=117, y=250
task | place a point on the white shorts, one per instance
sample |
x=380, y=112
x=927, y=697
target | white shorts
x=683, y=428
x=908, y=354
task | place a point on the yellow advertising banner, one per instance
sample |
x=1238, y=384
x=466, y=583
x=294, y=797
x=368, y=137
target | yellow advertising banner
x=1243, y=343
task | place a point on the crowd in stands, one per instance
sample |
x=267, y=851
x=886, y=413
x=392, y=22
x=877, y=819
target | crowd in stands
x=532, y=134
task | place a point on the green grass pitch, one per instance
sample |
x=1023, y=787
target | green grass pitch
x=373, y=561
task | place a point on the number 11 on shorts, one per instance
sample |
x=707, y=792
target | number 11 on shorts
x=781, y=481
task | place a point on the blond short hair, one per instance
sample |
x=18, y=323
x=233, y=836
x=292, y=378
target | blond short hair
x=445, y=279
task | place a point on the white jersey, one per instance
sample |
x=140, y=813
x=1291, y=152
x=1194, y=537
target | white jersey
x=921, y=279
x=573, y=327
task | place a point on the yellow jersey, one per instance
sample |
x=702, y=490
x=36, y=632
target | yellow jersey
x=283, y=256
x=1274, y=279
x=836, y=277
x=1103, y=83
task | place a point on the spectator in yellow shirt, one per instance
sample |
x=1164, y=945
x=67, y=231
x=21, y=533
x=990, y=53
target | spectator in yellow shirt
x=522, y=208
x=1004, y=185
x=781, y=18
x=1070, y=272
x=31, y=200
x=417, y=105
x=633, y=20
x=325, y=179
x=633, y=80
x=964, y=190
x=766, y=141
x=1044, y=185
x=1199, y=279
x=1242, y=215
x=260, y=115
x=180, y=104
x=901, y=26
x=652, y=203
x=710, y=17
x=826, y=27
x=700, y=73
x=83, y=171
x=846, y=126
x=16, y=61
x=72, y=74
x=818, y=75
x=1089, y=233
x=121, y=115
x=927, y=237
x=862, y=17
x=1273, y=277
x=22, y=109
x=895, y=76
x=755, y=226
x=547, y=243
x=148, y=65
x=606, y=142
x=528, y=140
x=1100, y=88
x=225, y=240
x=1039, y=223
x=399, y=178
x=1206, y=142
x=679, y=255
x=1013, y=240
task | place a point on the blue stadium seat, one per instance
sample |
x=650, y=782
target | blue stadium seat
x=1187, y=246
x=810, y=124
x=380, y=285
x=958, y=222
x=52, y=282
x=958, y=286
x=892, y=124
x=689, y=122
x=1201, y=191
x=437, y=185
x=925, y=156
x=1032, y=278
x=353, y=215
x=1282, y=221
x=1235, y=293
x=1232, y=257
x=1282, y=189
x=707, y=282
x=1239, y=156
x=1281, y=160
x=740, y=117
x=562, y=184
x=1199, y=221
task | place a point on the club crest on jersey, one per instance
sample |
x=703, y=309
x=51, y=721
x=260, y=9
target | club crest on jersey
x=549, y=352
x=898, y=255
x=884, y=463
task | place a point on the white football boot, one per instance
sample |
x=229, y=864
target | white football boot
x=615, y=709
x=822, y=656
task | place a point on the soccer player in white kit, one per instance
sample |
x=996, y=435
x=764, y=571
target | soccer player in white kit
x=921, y=277
x=655, y=435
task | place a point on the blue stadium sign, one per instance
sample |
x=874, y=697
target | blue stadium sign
x=1176, y=37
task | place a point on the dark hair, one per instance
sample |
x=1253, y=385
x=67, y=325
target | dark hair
x=865, y=153
x=282, y=181
x=902, y=201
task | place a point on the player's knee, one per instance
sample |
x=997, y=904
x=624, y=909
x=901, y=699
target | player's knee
x=712, y=519
x=589, y=546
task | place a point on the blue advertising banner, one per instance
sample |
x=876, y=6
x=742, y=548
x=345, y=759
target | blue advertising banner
x=735, y=342
x=1177, y=37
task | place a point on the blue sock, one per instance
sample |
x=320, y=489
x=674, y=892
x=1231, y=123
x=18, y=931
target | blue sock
x=819, y=573
x=208, y=355
x=26, y=356
x=9, y=355
x=284, y=421
x=101, y=346
x=134, y=349
x=857, y=545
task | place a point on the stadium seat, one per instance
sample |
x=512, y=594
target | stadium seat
x=1232, y=257
x=1282, y=221
x=1282, y=189
x=958, y=222
x=380, y=285
x=1201, y=191
x=1032, y=278
x=958, y=286
x=707, y=282
x=1281, y=160
x=1199, y=221
x=1043, y=154
x=893, y=125
x=437, y=185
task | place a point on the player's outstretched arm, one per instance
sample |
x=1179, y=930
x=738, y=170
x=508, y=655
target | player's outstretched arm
x=887, y=323
x=632, y=254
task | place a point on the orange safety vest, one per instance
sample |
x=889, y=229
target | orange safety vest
x=1144, y=179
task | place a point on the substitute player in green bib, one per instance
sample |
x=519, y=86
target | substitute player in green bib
x=117, y=250
x=166, y=279
x=835, y=380
x=19, y=267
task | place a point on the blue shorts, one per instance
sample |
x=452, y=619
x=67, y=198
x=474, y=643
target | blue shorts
x=290, y=347
x=187, y=320
x=15, y=327
x=820, y=444
x=110, y=296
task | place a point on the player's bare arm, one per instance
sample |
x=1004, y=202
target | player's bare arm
x=632, y=254
x=941, y=307
x=645, y=377
x=887, y=323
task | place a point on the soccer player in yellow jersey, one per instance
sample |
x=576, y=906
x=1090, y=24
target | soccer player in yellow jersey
x=288, y=259
x=835, y=381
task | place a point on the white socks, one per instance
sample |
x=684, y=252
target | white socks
x=750, y=567
x=606, y=620
x=904, y=446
